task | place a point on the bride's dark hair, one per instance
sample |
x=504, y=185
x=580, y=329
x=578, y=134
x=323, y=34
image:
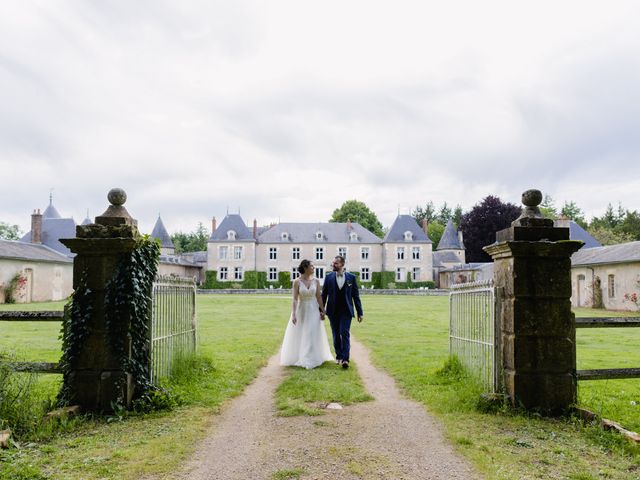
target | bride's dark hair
x=304, y=264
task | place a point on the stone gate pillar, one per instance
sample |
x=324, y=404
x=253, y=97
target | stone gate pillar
x=97, y=380
x=532, y=270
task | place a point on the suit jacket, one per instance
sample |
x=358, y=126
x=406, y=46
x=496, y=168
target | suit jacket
x=350, y=290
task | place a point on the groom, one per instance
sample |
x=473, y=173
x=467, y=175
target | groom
x=339, y=294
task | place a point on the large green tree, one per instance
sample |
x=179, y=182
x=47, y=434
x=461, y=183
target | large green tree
x=572, y=211
x=358, y=212
x=195, y=241
x=9, y=232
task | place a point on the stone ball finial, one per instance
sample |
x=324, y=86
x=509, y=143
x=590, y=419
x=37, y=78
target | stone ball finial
x=117, y=197
x=532, y=198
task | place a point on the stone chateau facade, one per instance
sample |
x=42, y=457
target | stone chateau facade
x=406, y=250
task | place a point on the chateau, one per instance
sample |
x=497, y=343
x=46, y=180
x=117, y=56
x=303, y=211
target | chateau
x=405, y=251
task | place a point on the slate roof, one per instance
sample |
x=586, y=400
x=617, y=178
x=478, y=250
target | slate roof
x=402, y=224
x=621, y=253
x=160, y=232
x=576, y=232
x=31, y=251
x=442, y=257
x=232, y=222
x=87, y=221
x=54, y=229
x=306, y=233
x=450, y=239
x=51, y=211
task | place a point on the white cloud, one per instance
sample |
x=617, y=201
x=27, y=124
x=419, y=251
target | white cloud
x=286, y=109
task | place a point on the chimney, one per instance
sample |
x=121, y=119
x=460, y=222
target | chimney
x=36, y=227
x=213, y=225
x=425, y=225
x=562, y=222
x=255, y=228
x=460, y=238
x=349, y=226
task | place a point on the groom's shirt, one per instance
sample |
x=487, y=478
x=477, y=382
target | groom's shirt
x=340, y=279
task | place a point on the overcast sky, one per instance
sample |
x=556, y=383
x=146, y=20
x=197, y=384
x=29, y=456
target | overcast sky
x=285, y=109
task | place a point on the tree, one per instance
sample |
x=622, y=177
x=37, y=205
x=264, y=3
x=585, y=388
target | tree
x=573, y=212
x=427, y=213
x=609, y=236
x=630, y=225
x=195, y=241
x=444, y=214
x=435, y=229
x=457, y=215
x=548, y=208
x=358, y=212
x=9, y=232
x=480, y=224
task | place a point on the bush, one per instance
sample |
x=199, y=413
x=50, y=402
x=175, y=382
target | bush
x=284, y=279
x=382, y=279
x=22, y=403
x=253, y=279
x=211, y=281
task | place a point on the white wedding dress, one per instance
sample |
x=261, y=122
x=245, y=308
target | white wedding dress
x=305, y=344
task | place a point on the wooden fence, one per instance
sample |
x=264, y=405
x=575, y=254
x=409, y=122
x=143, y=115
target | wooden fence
x=173, y=329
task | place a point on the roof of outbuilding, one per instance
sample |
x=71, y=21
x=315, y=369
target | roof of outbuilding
x=450, y=239
x=232, y=222
x=306, y=233
x=406, y=223
x=576, y=232
x=160, y=232
x=444, y=256
x=53, y=229
x=621, y=253
x=31, y=251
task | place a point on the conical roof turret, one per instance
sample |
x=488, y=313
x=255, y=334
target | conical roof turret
x=160, y=232
x=450, y=239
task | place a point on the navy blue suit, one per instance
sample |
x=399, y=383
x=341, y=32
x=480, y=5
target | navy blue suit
x=340, y=310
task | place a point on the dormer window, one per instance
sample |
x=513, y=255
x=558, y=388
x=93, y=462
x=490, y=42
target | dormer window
x=408, y=236
x=231, y=235
x=319, y=235
x=284, y=236
x=353, y=236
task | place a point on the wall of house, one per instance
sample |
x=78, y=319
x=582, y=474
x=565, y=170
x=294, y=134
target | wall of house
x=179, y=270
x=247, y=262
x=46, y=281
x=425, y=263
x=285, y=262
x=625, y=279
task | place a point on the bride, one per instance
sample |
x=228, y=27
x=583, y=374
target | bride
x=305, y=341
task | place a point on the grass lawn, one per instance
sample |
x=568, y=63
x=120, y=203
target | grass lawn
x=407, y=336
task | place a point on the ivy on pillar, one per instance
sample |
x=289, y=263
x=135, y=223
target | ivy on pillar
x=532, y=270
x=104, y=353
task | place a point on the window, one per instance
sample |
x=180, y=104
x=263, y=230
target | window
x=318, y=235
x=237, y=273
x=415, y=253
x=400, y=277
x=273, y=274
x=224, y=273
x=295, y=253
x=237, y=253
x=365, y=274
x=273, y=253
x=231, y=235
x=353, y=236
x=284, y=236
x=415, y=274
x=400, y=253
x=319, y=253
x=320, y=273
x=342, y=251
x=408, y=236
x=294, y=273
x=364, y=253
x=223, y=252
x=612, y=286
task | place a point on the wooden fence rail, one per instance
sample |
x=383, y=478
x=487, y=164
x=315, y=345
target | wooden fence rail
x=608, y=373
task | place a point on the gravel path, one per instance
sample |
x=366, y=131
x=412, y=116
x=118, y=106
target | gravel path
x=388, y=438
